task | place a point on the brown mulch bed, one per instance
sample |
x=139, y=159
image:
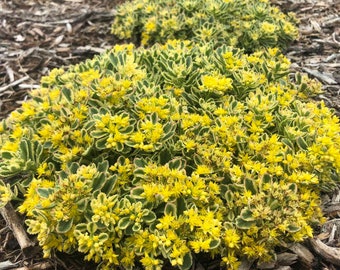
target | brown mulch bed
x=39, y=35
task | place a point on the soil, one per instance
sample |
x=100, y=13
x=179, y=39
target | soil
x=39, y=35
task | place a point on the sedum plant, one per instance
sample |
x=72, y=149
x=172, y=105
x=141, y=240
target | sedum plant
x=156, y=155
x=248, y=24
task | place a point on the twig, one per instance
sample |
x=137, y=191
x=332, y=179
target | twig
x=331, y=22
x=14, y=223
x=4, y=88
x=29, y=86
x=319, y=76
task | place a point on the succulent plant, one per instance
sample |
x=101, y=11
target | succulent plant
x=156, y=154
x=247, y=24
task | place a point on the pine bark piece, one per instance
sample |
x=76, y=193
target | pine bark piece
x=37, y=266
x=305, y=256
x=329, y=254
x=14, y=222
x=287, y=258
x=283, y=268
x=246, y=264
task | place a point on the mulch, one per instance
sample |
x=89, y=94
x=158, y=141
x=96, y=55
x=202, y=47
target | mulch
x=39, y=35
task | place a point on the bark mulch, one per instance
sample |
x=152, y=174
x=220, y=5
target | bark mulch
x=39, y=35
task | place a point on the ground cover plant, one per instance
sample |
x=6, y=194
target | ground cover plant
x=155, y=155
x=247, y=24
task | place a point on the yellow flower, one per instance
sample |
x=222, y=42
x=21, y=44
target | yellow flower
x=150, y=25
x=150, y=263
x=88, y=76
x=203, y=169
x=217, y=83
x=165, y=222
x=200, y=245
x=268, y=28
x=231, y=261
x=10, y=146
x=231, y=238
x=43, y=169
x=6, y=194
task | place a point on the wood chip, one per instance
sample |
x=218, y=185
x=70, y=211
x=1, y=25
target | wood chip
x=14, y=222
x=330, y=254
x=36, y=266
x=4, y=88
x=287, y=258
x=331, y=22
x=284, y=268
x=7, y=265
x=306, y=258
x=316, y=25
x=10, y=73
x=246, y=264
x=321, y=76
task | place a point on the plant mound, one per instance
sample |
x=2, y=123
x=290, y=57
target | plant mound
x=248, y=24
x=156, y=155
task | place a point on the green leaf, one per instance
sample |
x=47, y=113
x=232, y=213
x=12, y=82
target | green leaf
x=101, y=143
x=127, y=130
x=7, y=155
x=231, y=216
x=67, y=93
x=64, y=226
x=109, y=185
x=45, y=192
x=229, y=196
x=91, y=227
x=136, y=192
x=247, y=215
x=250, y=186
x=48, y=145
x=215, y=243
x=138, y=173
x=136, y=227
x=140, y=162
x=288, y=143
x=74, y=167
x=266, y=179
x=82, y=204
x=81, y=227
x=187, y=262
x=176, y=164
x=24, y=150
x=150, y=217
x=293, y=187
x=98, y=181
x=292, y=228
x=39, y=157
x=103, y=166
x=243, y=224
x=124, y=223
x=170, y=209
x=164, y=156
x=302, y=143
x=88, y=125
x=274, y=205
x=103, y=237
x=181, y=205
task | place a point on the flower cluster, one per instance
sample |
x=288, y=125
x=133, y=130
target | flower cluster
x=241, y=23
x=152, y=155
